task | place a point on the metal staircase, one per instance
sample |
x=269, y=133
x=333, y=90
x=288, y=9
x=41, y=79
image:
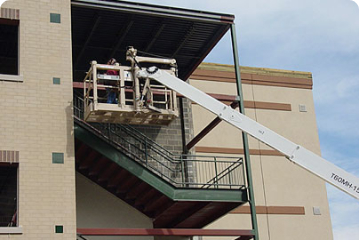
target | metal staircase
x=175, y=191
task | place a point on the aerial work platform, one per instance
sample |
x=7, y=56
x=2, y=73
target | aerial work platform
x=114, y=93
x=145, y=108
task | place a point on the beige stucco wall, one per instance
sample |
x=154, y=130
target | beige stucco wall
x=277, y=182
x=36, y=120
x=97, y=208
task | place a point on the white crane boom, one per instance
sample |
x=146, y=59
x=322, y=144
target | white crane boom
x=295, y=153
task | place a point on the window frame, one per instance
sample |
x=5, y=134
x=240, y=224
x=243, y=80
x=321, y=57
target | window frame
x=13, y=77
x=17, y=229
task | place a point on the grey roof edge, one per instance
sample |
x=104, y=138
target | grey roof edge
x=149, y=9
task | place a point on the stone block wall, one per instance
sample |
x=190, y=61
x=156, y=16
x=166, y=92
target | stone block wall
x=170, y=137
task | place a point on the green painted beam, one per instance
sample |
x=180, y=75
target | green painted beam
x=244, y=135
x=103, y=147
x=221, y=195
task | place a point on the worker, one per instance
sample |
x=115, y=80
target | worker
x=111, y=93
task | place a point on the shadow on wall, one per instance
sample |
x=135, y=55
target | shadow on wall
x=97, y=208
x=70, y=145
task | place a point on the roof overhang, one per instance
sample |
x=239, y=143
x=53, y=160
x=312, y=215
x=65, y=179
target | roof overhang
x=104, y=29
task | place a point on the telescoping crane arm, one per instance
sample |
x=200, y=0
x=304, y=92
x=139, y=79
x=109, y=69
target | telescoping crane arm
x=295, y=153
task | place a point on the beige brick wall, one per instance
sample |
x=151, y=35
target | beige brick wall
x=36, y=120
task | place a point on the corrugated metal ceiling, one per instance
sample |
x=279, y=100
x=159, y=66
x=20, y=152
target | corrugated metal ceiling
x=104, y=29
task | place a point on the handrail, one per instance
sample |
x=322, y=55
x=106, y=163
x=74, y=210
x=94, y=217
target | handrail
x=224, y=173
x=184, y=171
x=80, y=236
x=141, y=150
x=130, y=153
x=146, y=151
x=134, y=130
x=144, y=139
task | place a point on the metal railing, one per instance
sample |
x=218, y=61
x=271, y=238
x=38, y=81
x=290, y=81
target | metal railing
x=80, y=237
x=200, y=171
x=183, y=171
x=228, y=175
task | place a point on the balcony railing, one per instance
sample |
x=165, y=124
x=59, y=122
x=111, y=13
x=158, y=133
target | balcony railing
x=182, y=171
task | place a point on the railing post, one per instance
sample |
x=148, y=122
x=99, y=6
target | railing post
x=109, y=131
x=182, y=171
x=216, y=172
x=243, y=175
x=229, y=178
x=94, y=78
x=146, y=154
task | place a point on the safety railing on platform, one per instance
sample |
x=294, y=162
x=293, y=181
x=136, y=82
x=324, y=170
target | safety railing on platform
x=184, y=171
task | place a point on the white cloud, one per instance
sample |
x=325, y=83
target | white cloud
x=344, y=211
x=348, y=232
x=337, y=108
x=1, y=2
x=357, y=2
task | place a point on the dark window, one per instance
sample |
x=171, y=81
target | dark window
x=8, y=195
x=9, y=40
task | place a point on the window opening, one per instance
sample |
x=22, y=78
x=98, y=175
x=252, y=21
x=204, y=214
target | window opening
x=8, y=195
x=9, y=40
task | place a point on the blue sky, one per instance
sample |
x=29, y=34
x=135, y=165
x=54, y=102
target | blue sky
x=321, y=37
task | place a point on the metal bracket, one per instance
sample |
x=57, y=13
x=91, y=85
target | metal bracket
x=229, y=114
x=292, y=155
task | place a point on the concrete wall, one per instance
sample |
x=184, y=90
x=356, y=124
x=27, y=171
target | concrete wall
x=36, y=120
